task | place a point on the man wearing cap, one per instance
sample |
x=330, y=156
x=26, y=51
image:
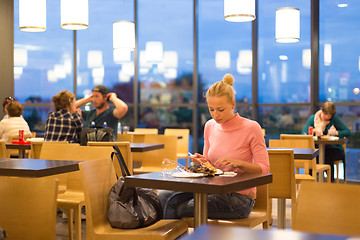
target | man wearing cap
x=103, y=112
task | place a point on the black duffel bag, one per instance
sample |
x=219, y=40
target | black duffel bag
x=132, y=207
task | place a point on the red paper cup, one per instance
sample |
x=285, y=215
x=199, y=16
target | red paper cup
x=21, y=135
x=311, y=131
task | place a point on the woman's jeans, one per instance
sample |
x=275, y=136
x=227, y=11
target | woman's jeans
x=181, y=204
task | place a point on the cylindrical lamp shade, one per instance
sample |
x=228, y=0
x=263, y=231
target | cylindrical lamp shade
x=222, y=60
x=239, y=10
x=32, y=15
x=74, y=14
x=124, y=35
x=287, y=25
x=154, y=51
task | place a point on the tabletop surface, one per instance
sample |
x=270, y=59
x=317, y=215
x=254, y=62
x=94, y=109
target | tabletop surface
x=143, y=147
x=328, y=141
x=27, y=167
x=214, y=185
x=215, y=232
x=303, y=153
x=17, y=146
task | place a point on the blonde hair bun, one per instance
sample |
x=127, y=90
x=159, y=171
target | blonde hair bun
x=229, y=79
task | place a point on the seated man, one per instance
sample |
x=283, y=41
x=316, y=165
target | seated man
x=103, y=112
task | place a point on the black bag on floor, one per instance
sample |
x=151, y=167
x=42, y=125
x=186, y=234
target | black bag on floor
x=132, y=207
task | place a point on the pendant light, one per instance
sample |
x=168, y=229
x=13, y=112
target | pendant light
x=32, y=15
x=124, y=35
x=74, y=14
x=239, y=10
x=287, y=25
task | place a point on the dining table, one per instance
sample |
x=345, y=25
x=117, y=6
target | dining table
x=215, y=232
x=21, y=147
x=145, y=147
x=28, y=167
x=201, y=186
x=322, y=142
x=303, y=153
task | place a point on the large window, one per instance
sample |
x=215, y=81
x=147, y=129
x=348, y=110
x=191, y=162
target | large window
x=284, y=68
x=165, y=45
x=42, y=61
x=223, y=47
x=97, y=62
x=339, y=53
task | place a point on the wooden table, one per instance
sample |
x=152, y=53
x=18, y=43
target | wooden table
x=20, y=147
x=216, y=232
x=27, y=167
x=303, y=153
x=321, y=142
x=144, y=147
x=201, y=187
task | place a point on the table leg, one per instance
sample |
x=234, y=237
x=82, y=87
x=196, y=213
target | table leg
x=321, y=160
x=281, y=213
x=200, y=209
x=21, y=152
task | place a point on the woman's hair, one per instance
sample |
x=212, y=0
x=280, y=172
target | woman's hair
x=7, y=100
x=329, y=108
x=223, y=88
x=14, y=108
x=61, y=100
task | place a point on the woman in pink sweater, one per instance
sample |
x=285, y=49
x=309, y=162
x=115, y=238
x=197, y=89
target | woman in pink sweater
x=232, y=143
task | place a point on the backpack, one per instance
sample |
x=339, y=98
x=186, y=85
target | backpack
x=96, y=134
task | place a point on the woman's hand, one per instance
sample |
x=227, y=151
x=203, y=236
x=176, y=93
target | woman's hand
x=225, y=161
x=332, y=131
x=197, y=158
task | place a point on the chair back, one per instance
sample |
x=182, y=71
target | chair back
x=125, y=151
x=282, y=168
x=327, y=208
x=183, y=143
x=3, y=151
x=28, y=207
x=151, y=161
x=98, y=176
x=35, y=149
x=298, y=140
x=147, y=130
x=125, y=137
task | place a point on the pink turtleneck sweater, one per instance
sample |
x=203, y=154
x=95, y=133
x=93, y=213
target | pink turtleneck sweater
x=239, y=138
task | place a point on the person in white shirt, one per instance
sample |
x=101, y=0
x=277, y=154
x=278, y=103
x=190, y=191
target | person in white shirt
x=11, y=125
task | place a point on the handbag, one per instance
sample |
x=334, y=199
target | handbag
x=131, y=207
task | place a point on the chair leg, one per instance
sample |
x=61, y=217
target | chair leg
x=266, y=225
x=328, y=172
x=78, y=222
x=70, y=217
x=337, y=172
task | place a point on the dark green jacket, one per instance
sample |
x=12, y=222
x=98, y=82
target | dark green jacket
x=340, y=126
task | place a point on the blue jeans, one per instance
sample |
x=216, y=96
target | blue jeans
x=181, y=204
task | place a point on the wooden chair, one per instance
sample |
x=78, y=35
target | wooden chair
x=306, y=141
x=124, y=149
x=151, y=161
x=3, y=151
x=125, y=137
x=327, y=208
x=98, y=177
x=28, y=207
x=283, y=186
x=182, y=144
x=147, y=130
x=259, y=214
x=275, y=143
x=36, y=148
x=72, y=200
